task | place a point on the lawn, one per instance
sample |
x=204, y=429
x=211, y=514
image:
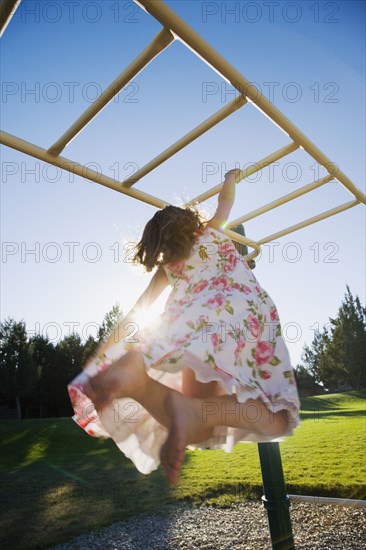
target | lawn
x=56, y=481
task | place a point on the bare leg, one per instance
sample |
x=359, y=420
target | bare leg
x=127, y=377
x=191, y=387
x=188, y=420
x=188, y=415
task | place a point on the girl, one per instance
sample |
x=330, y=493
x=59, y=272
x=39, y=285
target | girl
x=214, y=370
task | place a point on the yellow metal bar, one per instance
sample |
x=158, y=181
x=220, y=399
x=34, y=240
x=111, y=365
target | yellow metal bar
x=280, y=201
x=75, y=168
x=187, y=139
x=244, y=240
x=168, y=18
x=160, y=42
x=7, y=10
x=309, y=221
x=78, y=169
x=280, y=153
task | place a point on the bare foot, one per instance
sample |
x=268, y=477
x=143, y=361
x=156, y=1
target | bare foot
x=185, y=427
x=124, y=378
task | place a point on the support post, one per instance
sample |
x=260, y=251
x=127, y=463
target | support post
x=275, y=499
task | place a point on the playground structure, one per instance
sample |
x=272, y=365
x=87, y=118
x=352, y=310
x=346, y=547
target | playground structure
x=174, y=28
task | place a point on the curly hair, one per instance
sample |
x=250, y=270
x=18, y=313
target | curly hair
x=168, y=236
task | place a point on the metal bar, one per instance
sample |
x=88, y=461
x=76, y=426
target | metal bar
x=7, y=10
x=280, y=153
x=328, y=500
x=275, y=499
x=168, y=18
x=187, y=139
x=87, y=173
x=160, y=42
x=77, y=168
x=309, y=221
x=244, y=240
x=281, y=200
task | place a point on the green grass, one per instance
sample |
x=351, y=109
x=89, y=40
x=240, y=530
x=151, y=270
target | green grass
x=56, y=481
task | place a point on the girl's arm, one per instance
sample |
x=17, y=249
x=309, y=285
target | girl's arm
x=225, y=200
x=156, y=286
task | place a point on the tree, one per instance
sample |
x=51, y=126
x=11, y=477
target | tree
x=90, y=348
x=43, y=355
x=36, y=373
x=111, y=319
x=311, y=355
x=306, y=382
x=346, y=349
x=68, y=362
x=336, y=357
x=18, y=373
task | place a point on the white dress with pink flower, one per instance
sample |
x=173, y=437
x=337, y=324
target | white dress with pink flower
x=217, y=321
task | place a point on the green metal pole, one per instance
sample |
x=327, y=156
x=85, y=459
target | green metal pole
x=275, y=499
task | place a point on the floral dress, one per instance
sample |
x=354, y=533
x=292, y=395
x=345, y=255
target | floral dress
x=218, y=322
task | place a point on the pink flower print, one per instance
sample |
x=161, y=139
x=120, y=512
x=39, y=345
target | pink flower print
x=184, y=301
x=263, y=352
x=237, y=286
x=174, y=313
x=265, y=374
x=83, y=422
x=201, y=285
x=240, y=344
x=257, y=289
x=73, y=393
x=254, y=326
x=226, y=248
x=177, y=268
x=181, y=341
x=215, y=301
x=164, y=358
x=220, y=283
x=246, y=290
x=230, y=262
x=215, y=341
x=274, y=314
x=201, y=323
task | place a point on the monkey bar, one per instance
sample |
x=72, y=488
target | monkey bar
x=7, y=10
x=160, y=42
x=174, y=28
x=187, y=139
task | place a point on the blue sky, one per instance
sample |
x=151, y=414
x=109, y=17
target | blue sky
x=306, y=57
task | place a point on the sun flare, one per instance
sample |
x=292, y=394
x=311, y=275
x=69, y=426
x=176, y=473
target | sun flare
x=147, y=317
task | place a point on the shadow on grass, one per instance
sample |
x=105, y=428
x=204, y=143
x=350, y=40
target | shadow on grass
x=334, y=401
x=54, y=474
x=331, y=414
x=39, y=496
x=58, y=482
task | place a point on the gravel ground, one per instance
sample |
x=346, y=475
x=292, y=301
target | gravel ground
x=244, y=526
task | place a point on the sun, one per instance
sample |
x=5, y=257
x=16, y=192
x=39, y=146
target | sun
x=147, y=317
